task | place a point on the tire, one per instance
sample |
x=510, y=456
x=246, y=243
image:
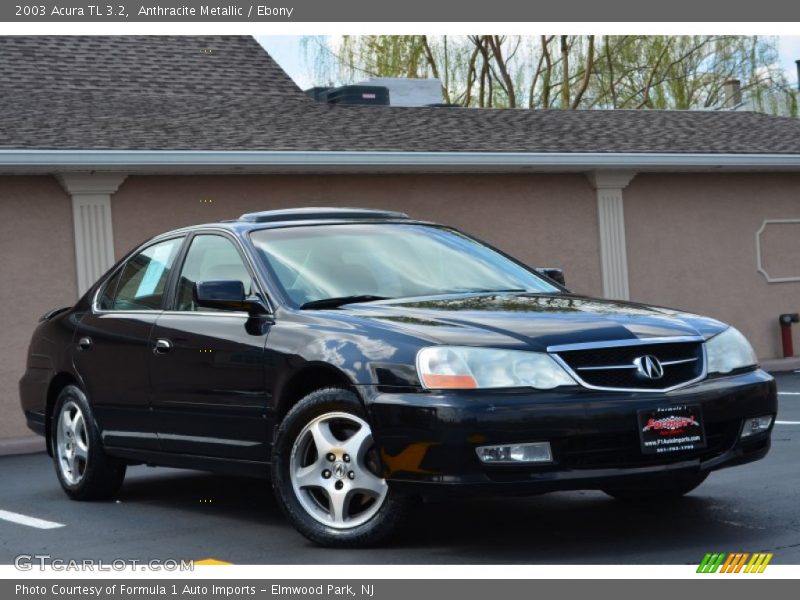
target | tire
x=345, y=502
x=662, y=490
x=83, y=468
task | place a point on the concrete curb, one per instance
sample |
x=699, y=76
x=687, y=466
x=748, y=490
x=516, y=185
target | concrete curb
x=24, y=445
x=781, y=365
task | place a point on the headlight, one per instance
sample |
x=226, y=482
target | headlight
x=729, y=350
x=459, y=367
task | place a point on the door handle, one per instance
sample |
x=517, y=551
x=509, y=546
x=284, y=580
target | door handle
x=84, y=343
x=162, y=346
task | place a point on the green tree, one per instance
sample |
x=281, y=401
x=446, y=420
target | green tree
x=566, y=72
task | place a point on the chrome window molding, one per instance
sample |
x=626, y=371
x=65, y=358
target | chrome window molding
x=209, y=313
x=172, y=235
x=96, y=310
x=221, y=313
x=247, y=259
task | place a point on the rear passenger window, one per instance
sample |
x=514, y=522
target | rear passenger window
x=144, y=277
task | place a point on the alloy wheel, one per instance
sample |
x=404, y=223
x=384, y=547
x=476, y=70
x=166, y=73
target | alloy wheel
x=72, y=443
x=335, y=471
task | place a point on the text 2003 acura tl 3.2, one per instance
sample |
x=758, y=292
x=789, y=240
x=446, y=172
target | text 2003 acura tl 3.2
x=363, y=359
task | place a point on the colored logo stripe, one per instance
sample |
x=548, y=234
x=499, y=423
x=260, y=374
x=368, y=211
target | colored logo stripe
x=758, y=563
x=734, y=562
x=711, y=563
x=740, y=564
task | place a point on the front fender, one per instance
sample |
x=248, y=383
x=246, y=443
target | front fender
x=364, y=356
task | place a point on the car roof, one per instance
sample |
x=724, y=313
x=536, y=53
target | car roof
x=287, y=217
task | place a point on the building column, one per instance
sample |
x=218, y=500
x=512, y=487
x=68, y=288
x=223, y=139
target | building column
x=91, y=219
x=611, y=220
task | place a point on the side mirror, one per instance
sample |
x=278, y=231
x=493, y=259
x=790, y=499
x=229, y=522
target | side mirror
x=226, y=295
x=553, y=273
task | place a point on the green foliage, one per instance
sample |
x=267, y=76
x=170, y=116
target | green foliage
x=566, y=72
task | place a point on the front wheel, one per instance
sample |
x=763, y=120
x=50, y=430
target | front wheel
x=668, y=488
x=327, y=473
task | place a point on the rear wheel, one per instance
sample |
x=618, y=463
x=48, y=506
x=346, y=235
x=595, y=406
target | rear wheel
x=667, y=488
x=83, y=468
x=327, y=474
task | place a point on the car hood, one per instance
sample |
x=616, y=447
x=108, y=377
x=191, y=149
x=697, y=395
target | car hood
x=530, y=321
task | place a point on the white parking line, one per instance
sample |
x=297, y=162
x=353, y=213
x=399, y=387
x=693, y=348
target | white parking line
x=788, y=393
x=787, y=422
x=13, y=517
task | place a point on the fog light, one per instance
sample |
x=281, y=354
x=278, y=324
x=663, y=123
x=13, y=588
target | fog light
x=756, y=425
x=538, y=452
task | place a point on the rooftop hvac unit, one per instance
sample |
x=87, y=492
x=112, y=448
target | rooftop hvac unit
x=372, y=95
x=319, y=93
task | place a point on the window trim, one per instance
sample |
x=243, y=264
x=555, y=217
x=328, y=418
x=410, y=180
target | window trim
x=99, y=311
x=168, y=307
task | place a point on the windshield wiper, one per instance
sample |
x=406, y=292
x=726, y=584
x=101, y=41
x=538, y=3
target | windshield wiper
x=342, y=300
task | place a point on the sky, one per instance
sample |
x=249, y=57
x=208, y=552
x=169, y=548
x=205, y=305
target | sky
x=288, y=51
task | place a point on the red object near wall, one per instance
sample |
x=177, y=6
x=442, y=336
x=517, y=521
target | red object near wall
x=786, y=321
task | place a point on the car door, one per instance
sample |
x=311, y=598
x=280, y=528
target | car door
x=113, y=346
x=207, y=368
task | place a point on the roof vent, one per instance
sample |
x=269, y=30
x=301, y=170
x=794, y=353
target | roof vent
x=321, y=214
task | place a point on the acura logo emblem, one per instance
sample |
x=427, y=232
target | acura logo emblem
x=339, y=470
x=649, y=366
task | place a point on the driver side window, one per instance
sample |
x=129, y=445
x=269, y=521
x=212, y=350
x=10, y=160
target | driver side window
x=210, y=258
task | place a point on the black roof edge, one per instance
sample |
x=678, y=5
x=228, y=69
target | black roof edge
x=319, y=214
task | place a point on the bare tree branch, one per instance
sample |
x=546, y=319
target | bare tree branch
x=496, y=44
x=587, y=74
x=548, y=72
x=564, y=71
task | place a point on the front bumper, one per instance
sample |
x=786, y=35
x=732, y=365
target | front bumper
x=427, y=441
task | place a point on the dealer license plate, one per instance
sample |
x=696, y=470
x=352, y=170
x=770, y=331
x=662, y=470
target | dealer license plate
x=671, y=429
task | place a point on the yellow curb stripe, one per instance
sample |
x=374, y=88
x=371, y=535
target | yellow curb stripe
x=211, y=561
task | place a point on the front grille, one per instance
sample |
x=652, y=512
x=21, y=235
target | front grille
x=615, y=367
x=599, y=451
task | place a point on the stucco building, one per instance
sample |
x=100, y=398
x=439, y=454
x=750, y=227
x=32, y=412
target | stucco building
x=105, y=141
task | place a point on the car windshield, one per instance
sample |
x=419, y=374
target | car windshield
x=384, y=260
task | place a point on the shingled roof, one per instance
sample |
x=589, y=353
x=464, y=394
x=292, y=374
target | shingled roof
x=226, y=93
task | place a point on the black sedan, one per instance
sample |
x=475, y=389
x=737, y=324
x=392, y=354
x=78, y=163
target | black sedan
x=362, y=360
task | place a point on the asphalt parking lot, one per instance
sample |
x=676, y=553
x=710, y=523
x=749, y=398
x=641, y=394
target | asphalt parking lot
x=170, y=514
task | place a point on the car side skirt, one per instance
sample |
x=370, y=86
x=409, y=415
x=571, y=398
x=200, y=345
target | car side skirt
x=222, y=466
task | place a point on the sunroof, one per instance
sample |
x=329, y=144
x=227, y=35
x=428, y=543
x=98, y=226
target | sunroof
x=316, y=214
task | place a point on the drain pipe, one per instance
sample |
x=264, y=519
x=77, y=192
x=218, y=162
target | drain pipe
x=786, y=321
